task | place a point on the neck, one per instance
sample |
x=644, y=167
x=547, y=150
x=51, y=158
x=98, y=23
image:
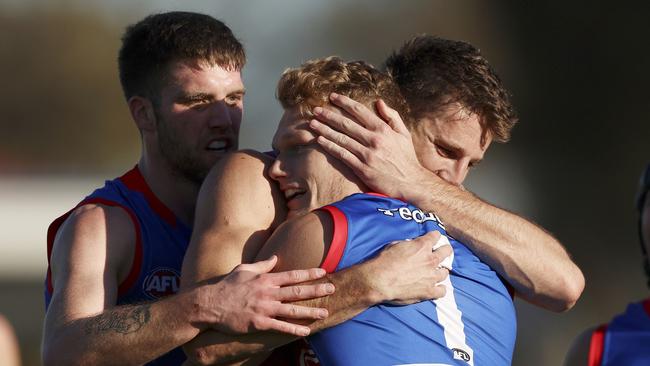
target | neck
x=178, y=193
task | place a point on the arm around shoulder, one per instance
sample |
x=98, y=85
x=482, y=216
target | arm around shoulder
x=92, y=254
x=527, y=256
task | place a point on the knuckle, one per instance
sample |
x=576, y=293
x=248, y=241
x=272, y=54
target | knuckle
x=368, y=157
x=375, y=141
x=341, y=139
x=295, y=276
x=256, y=323
x=297, y=291
x=293, y=311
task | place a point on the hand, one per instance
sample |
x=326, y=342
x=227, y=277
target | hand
x=251, y=299
x=410, y=271
x=378, y=149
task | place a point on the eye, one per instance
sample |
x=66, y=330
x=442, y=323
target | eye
x=199, y=104
x=234, y=99
x=444, y=152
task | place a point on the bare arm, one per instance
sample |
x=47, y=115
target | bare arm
x=305, y=241
x=237, y=210
x=91, y=256
x=227, y=201
x=382, y=155
x=93, y=253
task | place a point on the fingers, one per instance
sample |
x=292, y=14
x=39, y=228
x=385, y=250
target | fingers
x=341, y=153
x=295, y=276
x=281, y=326
x=431, y=237
x=294, y=293
x=340, y=122
x=290, y=311
x=360, y=112
x=393, y=118
x=342, y=139
x=439, y=275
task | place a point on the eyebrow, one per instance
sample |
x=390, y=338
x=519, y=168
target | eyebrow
x=195, y=97
x=457, y=148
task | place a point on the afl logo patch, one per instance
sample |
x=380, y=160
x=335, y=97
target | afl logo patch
x=459, y=354
x=161, y=282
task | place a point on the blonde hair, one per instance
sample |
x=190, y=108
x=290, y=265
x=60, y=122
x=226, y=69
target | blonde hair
x=310, y=85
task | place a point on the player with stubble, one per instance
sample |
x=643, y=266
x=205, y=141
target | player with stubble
x=458, y=121
x=115, y=259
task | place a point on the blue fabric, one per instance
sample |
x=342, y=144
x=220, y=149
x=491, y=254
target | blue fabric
x=627, y=338
x=390, y=335
x=164, y=244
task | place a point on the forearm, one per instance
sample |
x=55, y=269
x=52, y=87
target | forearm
x=215, y=348
x=532, y=260
x=131, y=334
x=354, y=293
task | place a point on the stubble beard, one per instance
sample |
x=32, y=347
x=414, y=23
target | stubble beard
x=183, y=163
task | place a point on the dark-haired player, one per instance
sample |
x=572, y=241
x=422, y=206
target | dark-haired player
x=454, y=125
x=474, y=322
x=459, y=106
x=625, y=340
x=115, y=259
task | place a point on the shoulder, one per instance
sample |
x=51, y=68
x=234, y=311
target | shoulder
x=92, y=235
x=240, y=171
x=301, y=242
x=239, y=186
x=579, y=351
x=311, y=226
x=248, y=160
x=99, y=220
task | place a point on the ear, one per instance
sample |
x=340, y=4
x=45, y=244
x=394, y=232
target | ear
x=142, y=113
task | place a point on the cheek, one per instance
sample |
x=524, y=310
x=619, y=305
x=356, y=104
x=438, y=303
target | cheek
x=236, y=115
x=427, y=155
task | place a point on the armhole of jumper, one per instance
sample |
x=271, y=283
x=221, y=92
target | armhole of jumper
x=339, y=239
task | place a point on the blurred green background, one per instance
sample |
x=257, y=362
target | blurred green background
x=579, y=73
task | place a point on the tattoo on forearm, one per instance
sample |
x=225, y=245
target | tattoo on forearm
x=120, y=321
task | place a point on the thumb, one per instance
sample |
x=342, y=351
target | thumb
x=392, y=118
x=260, y=267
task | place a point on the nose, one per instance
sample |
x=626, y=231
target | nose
x=220, y=116
x=455, y=172
x=276, y=171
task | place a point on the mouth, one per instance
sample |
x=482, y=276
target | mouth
x=219, y=146
x=292, y=193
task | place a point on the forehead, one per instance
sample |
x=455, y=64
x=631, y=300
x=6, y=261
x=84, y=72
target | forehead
x=458, y=128
x=292, y=129
x=195, y=75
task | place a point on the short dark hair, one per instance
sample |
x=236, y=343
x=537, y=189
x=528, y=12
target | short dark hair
x=432, y=72
x=150, y=45
x=311, y=84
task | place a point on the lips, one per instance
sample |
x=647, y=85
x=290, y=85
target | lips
x=218, y=145
x=293, y=197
